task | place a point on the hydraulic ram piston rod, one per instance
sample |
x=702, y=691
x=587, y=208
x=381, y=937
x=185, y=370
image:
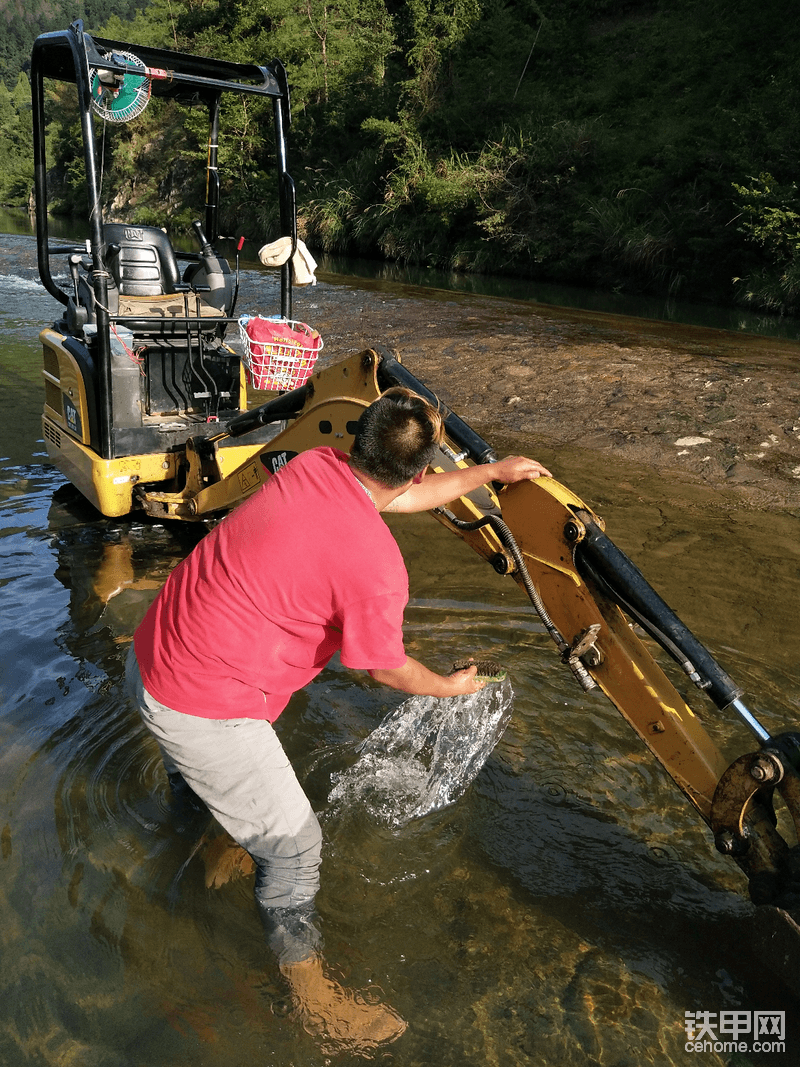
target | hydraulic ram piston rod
x=750, y=720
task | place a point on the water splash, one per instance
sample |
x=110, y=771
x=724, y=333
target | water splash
x=423, y=756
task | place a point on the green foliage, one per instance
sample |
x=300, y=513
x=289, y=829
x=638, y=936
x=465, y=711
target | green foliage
x=601, y=142
x=336, y=52
x=770, y=218
x=16, y=144
x=23, y=22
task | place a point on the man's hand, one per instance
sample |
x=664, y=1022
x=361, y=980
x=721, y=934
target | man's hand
x=466, y=681
x=413, y=677
x=516, y=469
x=435, y=490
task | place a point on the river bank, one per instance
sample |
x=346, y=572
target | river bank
x=713, y=406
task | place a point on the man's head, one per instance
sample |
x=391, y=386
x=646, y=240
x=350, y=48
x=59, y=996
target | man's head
x=397, y=437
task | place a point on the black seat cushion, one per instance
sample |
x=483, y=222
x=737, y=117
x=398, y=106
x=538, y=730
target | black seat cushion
x=141, y=260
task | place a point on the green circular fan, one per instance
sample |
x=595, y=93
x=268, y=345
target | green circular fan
x=120, y=99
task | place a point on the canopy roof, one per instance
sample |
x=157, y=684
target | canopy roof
x=60, y=54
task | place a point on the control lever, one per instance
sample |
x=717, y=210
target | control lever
x=215, y=276
x=77, y=260
x=205, y=247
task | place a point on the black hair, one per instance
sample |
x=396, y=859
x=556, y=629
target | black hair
x=397, y=437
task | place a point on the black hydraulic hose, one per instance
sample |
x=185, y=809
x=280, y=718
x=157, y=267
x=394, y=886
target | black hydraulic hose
x=599, y=559
x=508, y=541
x=587, y=570
x=595, y=557
x=281, y=407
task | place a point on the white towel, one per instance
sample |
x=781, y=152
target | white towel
x=303, y=263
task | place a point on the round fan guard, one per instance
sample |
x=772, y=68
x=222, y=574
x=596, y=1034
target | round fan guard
x=125, y=100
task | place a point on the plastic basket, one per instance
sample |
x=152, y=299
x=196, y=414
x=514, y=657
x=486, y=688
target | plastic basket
x=278, y=354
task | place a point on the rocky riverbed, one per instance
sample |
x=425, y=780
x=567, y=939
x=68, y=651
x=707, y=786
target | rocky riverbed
x=717, y=407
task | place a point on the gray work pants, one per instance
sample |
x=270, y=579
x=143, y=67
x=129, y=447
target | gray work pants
x=239, y=770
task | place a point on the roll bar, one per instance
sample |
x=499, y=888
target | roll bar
x=71, y=55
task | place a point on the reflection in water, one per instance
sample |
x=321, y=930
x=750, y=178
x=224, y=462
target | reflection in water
x=567, y=909
x=563, y=296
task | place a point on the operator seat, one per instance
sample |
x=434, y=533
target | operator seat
x=145, y=287
x=141, y=260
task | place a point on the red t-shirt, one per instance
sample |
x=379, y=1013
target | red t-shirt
x=303, y=568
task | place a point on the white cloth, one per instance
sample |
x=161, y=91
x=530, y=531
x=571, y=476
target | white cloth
x=303, y=263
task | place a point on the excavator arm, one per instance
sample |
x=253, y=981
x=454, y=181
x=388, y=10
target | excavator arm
x=590, y=597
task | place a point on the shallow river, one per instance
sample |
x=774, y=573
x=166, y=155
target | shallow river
x=567, y=911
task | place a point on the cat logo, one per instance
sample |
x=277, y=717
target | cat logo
x=72, y=416
x=249, y=479
x=273, y=461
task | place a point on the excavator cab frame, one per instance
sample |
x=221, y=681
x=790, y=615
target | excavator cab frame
x=138, y=362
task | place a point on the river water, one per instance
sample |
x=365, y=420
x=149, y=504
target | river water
x=568, y=910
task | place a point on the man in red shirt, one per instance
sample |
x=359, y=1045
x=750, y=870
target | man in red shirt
x=304, y=568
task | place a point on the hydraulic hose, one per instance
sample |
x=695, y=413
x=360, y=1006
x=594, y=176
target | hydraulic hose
x=701, y=668
x=507, y=540
x=275, y=410
x=598, y=557
x=639, y=600
x=647, y=624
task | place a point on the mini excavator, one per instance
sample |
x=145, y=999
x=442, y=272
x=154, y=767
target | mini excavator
x=148, y=410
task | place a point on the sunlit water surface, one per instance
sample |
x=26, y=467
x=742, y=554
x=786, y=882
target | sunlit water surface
x=568, y=909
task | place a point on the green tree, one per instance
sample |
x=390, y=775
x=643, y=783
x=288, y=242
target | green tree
x=592, y=141
x=770, y=219
x=23, y=22
x=16, y=143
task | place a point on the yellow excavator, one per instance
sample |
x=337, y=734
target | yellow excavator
x=149, y=410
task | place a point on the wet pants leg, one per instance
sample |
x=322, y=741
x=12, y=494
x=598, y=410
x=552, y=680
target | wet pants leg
x=239, y=770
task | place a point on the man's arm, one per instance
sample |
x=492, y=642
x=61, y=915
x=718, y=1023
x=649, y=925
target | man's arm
x=415, y=678
x=437, y=489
